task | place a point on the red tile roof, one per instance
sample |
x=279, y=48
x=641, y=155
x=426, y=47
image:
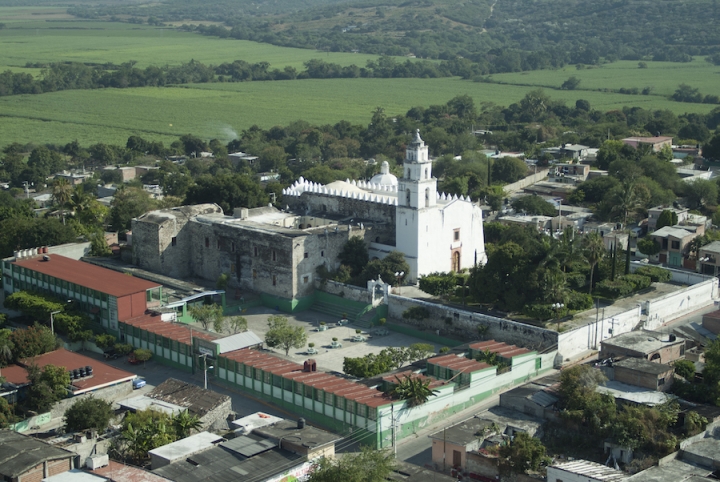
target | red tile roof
x=502, y=349
x=458, y=363
x=88, y=275
x=103, y=375
x=318, y=380
x=173, y=331
x=15, y=374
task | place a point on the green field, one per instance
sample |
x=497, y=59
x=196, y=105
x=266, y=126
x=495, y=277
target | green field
x=44, y=34
x=663, y=77
x=216, y=110
x=99, y=42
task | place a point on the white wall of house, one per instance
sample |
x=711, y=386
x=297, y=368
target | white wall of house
x=674, y=305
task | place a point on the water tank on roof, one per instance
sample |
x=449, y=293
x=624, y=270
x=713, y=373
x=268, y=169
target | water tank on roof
x=301, y=423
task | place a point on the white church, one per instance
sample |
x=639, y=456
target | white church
x=436, y=232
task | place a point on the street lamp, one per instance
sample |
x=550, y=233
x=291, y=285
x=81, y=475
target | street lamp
x=557, y=307
x=398, y=275
x=205, y=355
x=52, y=321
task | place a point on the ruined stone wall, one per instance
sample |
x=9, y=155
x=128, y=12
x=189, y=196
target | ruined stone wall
x=342, y=206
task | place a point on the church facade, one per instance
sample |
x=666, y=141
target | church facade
x=278, y=252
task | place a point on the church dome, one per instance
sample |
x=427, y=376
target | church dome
x=384, y=178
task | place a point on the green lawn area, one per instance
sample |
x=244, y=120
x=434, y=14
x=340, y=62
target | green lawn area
x=32, y=40
x=214, y=110
x=663, y=77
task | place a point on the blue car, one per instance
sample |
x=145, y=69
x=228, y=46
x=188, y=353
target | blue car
x=138, y=383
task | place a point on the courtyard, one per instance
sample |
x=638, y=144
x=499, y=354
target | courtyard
x=328, y=358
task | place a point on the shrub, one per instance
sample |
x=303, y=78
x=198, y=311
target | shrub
x=123, y=348
x=105, y=340
x=579, y=301
x=638, y=281
x=656, y=274
x=438, y=284
x=614, y=289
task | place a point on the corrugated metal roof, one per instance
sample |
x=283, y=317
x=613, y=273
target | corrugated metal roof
x=544, y=399
x=592, y=470
x=238, y=341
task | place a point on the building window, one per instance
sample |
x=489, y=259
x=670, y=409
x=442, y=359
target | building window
x=661, y=381
x=322, y=253
x=306, y=279
x=274, y=280
x=274, y=256
x=232, y=247
x=456, y=235
x=676, y=245
x=174, y=241
x=207, y=242
x=255, y=252
x=305, y=256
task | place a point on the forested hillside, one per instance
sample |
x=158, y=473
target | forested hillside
x=505, y=35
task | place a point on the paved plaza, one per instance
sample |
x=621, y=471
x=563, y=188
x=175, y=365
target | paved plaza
x=328, y=359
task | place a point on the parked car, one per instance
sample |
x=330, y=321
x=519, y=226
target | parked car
x=110, y=354
x=132, y=360
x=138, y=383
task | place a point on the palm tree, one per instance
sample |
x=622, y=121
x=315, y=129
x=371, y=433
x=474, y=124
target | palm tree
x=184, y=423
x=594, y=248
x=414, y=390
x=628, y=198
x=555, y=288
x=61, y=192
x=569, y=252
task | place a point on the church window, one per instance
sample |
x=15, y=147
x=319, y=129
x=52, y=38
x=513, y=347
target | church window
x=174, y=241
x=232, y=246
x=407, y=197
x=255, y=251
x=408, y=174
x=306, y=279
x=322, y=253
x=426, y=173
x=456, y=235
x=377, y=239
x=274, y=256
x=305, y=256
x=427, y=197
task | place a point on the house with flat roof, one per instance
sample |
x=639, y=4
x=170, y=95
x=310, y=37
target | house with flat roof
x=108, y=296
x=583, y=471
x=643, y=373
x=708, y=259
x=24, y=458
x=674, y=244
x=647, y=345
x=656, y=143
x=655, y=212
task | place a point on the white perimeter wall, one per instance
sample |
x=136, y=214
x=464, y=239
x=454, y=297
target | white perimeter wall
x=674, y=305
x=588, y=337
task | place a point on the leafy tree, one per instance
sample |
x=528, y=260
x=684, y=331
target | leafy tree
x=522, y=454
x=88, y=413
x=23, y=233
x=385, y=268
x=667, y=218
x=711, y=149
x=648, y=246
x=438, y=284
x=570, y=84
x=508, y=169
x=414, y=390
x=701, y=193
x=281, y=334
x=142, y=354
x=374, y=364
x=419, y=351
x=32, y=341
x=6, y=347
x=105, y=340
x=141, y=432
x=533, y=205
x=208, y=315
x=7, y=415
x=354, y=255
x=627, y=198
x=228, y=191
x=686, y=369
x=128, y=203
x=365, y=466
x=33, y=305
x=237, y=324
x=47, y=386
